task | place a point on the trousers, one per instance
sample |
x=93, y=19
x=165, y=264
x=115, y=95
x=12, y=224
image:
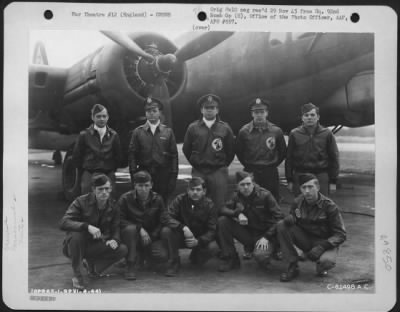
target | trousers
x=175, y=240
x=291, y=235
x=217, y=182
x=131, y=238
x=81, y=245
x=229, y=229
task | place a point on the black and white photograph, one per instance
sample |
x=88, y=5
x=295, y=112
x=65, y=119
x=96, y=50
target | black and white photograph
x=234, y=162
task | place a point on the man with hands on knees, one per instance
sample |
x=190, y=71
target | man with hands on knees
x=314, y=225
x=93, y=232
x=142, y=217
x=192, y=224
x=250, y=217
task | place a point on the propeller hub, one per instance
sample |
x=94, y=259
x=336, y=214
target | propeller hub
x=165, y=63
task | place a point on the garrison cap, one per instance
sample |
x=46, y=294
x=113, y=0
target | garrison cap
x=97, y=108
x=151, y=102
x=305, y=177
x=307, y=107
x=141, y=177
x=196, y=181
x=99, y=179
x=259, y=103
x=209, y=100
x=241, y=175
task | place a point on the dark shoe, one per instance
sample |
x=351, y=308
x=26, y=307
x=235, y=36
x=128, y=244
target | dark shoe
x=173, y=267
x=229, y=263
x=247, y=255
x=198, y=257
x=77, y=283
x=321, y=271
x=130, y=273
x=291, y=273
x=193, y=257
x=90, y=268
x=278, y=255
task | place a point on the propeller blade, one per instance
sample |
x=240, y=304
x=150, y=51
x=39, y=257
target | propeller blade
x=160, y=91
x=126, y=42
x=201, y=44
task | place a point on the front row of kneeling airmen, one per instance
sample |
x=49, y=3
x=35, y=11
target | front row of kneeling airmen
x=140, y=229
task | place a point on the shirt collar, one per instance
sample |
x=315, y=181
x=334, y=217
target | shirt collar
x=209, y=123
x=147, y=125
x=93, y=129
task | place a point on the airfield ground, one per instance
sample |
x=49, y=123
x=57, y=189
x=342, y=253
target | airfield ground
x=49, y=269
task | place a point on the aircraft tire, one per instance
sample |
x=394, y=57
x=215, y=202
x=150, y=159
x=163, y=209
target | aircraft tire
x=71, y=182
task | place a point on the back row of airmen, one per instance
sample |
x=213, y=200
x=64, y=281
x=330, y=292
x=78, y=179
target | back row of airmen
x=137, y=227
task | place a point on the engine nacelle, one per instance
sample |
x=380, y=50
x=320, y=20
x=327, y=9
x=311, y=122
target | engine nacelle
x=118, y=79
x=353, y=103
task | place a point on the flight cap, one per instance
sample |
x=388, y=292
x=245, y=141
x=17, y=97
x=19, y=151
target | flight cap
x=209, y=100
x=141, y=177
x=97, y=108
x=259, y=103
x=241, y=175
x=100, y=179
x=196, y=181
x=152, y=102
x=305, y=177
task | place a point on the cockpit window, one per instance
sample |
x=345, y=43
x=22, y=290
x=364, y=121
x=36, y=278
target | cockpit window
x=301, y=35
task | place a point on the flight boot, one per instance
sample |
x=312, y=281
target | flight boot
x=173, y=267
x=198, y=257
x=77, y=283
x=291, y=273
x=229, y=263
x=130, y=273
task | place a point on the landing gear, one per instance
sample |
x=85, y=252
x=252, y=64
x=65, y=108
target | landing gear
x=71, y=178
x=57, y=157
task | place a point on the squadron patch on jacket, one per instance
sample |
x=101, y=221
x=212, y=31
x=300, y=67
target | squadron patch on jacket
x=217, y=144
x=271, y=143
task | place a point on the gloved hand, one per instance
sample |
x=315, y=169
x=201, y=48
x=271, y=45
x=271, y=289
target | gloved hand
x=315, y=253
x=289, y=220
